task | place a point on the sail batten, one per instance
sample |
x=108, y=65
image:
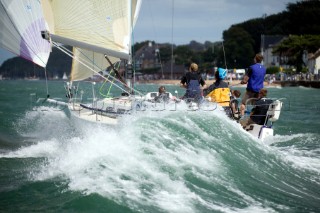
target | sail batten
x=98, y=24
x=95, y=27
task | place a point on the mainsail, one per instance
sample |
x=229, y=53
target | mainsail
x=96, y=28
x=21, y=22
x=100, y=26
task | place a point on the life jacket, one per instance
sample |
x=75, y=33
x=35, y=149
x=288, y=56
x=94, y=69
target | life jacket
x=220, y=96
x=193, y=89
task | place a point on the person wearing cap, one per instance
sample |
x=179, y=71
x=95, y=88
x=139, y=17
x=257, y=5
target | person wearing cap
x=254, y=79
x=258, y=113
x=219, y=91
x=194, y=83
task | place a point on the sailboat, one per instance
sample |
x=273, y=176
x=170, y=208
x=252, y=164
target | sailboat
x=64, y=77
x=100, y=32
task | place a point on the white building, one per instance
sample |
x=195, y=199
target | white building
x=314, y=62
x=268, y=42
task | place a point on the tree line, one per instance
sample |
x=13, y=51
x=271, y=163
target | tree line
x=243, y=40
x=17, y=68
x=299, y=22
x=240, y=43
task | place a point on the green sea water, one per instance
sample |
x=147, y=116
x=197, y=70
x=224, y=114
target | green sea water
x=170, y=161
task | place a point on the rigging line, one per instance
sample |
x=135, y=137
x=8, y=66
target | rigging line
x=116, y=71
x=93, y=70
x=72, y=55
x=224, y=55
x=130, y=64
x=156, y=38
x=83, y=63
x=160, y=61
x=63, y=47
x=101, y=92
x=172, y=39
x=19, y=33
x=45, y=73
x=84, y=55
x=120, y=80
x=92, y=61
x=95, y=66
x=109, y=90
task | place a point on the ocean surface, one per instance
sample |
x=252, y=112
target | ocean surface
x=170, y=161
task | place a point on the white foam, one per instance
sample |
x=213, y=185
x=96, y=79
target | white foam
x=301, y=158
x=143, y=162
x=131, y=163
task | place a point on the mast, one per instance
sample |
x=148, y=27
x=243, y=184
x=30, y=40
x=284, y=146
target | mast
x=172, y=40
x=129, y=69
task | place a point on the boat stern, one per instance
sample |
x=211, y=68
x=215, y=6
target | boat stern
x=259, y=131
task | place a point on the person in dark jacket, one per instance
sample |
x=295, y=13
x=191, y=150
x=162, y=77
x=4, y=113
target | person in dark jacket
x=258, y=113
x=234, y=104
x=194, y=84
x=254, y=79
x=162, y=96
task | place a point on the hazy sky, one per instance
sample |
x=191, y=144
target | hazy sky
x=199, y=20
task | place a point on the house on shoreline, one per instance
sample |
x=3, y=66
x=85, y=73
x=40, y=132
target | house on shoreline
x=268, y=42
x=150, y=67
x=314, y=63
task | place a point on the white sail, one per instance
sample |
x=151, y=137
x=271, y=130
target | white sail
x=21, y=23
x=91, y=62
x=100, y=26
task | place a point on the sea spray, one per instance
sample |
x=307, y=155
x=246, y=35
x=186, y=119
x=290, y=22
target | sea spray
x=169, y=161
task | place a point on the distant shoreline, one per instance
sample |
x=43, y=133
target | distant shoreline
x=208, y=82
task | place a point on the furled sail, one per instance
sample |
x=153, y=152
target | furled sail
x=21, y=23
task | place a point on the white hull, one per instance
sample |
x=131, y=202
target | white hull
x=259, y=131
x=264, y=131
x=78, y=112
x=109, y=110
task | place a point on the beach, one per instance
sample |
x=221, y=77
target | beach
x=208, y=82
